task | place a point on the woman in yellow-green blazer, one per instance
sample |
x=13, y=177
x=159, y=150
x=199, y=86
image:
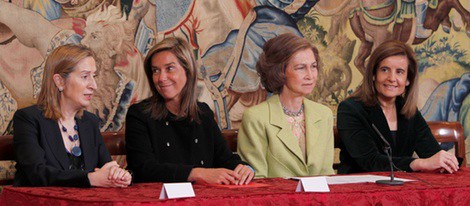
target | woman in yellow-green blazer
x=288, y=135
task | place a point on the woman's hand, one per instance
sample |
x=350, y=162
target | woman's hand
x=443, y=161
x=213, y=176
x=110, y=175
x=119, y=176
x=246, y=174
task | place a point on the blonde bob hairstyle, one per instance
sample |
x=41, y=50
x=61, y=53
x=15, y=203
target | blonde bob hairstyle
x=367, y=92
x=61, y=61
x=277, y=53
x=188, y=106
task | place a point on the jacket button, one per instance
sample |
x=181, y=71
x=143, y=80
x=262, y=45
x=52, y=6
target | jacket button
x=195, y=140
x=168, y=144
x=202, y=162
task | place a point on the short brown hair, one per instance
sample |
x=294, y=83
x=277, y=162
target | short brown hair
x=277, y=53
x=188, y=107
x=367, y=92
x=61, y=61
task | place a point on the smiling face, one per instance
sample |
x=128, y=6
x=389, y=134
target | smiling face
x=169, y=77
x=301, y=74
x=390, y=79
x=78, y=87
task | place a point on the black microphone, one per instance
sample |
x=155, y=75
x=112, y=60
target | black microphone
x=387, y=148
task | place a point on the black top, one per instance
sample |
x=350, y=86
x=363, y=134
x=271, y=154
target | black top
x=167, y=150
x=76, y=163
x=41, y=155
x=362, y=148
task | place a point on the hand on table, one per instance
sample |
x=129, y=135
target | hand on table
x=213, y=176
x=441, y=161
x=246, y=174
x=110, y=175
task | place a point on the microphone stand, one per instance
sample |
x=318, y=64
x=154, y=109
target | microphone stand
x=387, y=148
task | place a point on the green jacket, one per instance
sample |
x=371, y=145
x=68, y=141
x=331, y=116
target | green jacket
x=268, y=144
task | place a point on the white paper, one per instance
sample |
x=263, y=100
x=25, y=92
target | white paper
x=177, y=190
x=348, y=179
x=312, y=184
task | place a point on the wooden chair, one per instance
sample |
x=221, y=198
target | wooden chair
x=115, y=142
x=7, y=153
x=230, y=135
x=450, y=132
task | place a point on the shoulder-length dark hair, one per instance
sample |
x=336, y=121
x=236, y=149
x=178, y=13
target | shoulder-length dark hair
x=61, y=61
x=277, y=53
x=367, y=92
x=188, y=106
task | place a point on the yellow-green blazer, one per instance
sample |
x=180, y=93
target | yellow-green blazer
x=267, y=142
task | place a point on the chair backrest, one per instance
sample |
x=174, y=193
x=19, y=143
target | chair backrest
x=6, y=148
x=115, y=142
x=6, y=154
x=450, y=132
x=230, y=135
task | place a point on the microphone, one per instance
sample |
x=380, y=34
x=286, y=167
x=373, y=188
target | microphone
x=387, y=148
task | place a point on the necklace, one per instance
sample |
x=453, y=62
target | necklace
x=293, y=113
x=76, y=151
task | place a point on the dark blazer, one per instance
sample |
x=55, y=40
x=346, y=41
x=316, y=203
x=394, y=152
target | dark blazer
x=362, y=148
x=154, y=156
x=41, y=155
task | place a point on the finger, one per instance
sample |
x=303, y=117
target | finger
x=110, y=174
x=126, y=176
x=224, y=181
x=229, y=176
x=232, y=173
x=447, y=168
x=454, y=165
x=244, y=175
x=118, y=174
x=250, y=177
x=238, y=168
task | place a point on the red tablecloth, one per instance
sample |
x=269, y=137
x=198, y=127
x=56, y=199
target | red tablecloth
x=430, y=189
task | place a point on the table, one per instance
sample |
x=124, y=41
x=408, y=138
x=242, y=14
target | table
x=430, y=189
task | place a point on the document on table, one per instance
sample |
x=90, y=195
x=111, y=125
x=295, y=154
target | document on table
x=348, y=179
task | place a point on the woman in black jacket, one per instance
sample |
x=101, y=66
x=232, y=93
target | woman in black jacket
x=387, y=99
x=56, y=142
x=170, y=137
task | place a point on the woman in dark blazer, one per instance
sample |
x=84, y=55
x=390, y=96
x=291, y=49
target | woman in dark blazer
x=170, y=137
x=56, y=142
x=387, y=99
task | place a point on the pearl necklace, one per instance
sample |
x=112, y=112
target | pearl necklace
x=293, y=113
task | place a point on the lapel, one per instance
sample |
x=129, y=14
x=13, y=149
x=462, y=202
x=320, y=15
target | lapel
x=54, y=138
x=85, y=133
x=278, y=119
x=312, y=130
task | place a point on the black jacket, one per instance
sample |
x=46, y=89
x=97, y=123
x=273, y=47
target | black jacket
x=41, y=155
x=155, y=155
x=362, y=148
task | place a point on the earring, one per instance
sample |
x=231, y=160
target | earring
x=60, y=89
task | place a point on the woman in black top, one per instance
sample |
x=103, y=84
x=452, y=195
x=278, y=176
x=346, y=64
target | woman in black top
x=56, y=142
x=171, y=137
x=387, y=99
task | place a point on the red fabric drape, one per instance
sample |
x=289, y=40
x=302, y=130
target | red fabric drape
x=436, y=189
